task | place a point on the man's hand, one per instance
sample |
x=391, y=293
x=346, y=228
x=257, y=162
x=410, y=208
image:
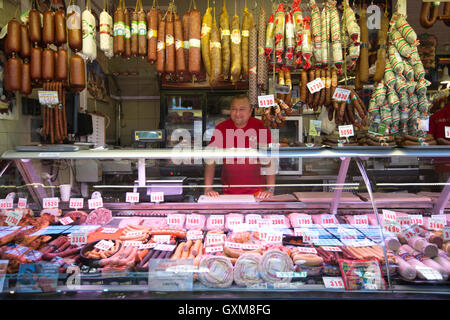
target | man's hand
x=264, y=195
x=211, y=193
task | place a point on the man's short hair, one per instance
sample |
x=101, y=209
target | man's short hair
x=241, y=96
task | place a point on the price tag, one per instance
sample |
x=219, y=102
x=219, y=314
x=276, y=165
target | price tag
x=389, y=215
x=408, y=233
x=266, y=101
x=49, y=203
x=6, y=203
x=424, y=124
x=404, y=221
x=133, y=243
x=217, y=220
x=95, y=203
x=327, y=219
x=252, y=219
x=277, y=221
x=150, y=245
x=213, y=249
x=315, y=127
x=310, y=235
x=132, y=234
x=341, y=94
x=271, y=237
x=132, y=197
x=22, y=204
x=233, y=222
x=76, y=203
x=446, y=233
x=332, y=249
x=104, y=245
x=48, y=97
x=174, y=219
x=194, y=235
x=315, y=85
x=193, y=219
x=298, y=232
x=447, y=132
x=306, y=250
x=78, y=238
x=346, y=131
x=347, y=233
x=13, y=218
x=429, y=273
x=66, y=220
x=250, y=246
x=436, y=223
x=361, y=220
x=109, y=230
x=157, y=196
x=165, y=247
x=233, y=245
x=333, y=282
x=391, y=226
x=416, y=219
x=362, y=243
x=162, y=238
x=214, y=239
x=304, y=220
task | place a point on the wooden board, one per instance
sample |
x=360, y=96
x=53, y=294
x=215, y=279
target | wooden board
x=325, y=197
x=281, y=198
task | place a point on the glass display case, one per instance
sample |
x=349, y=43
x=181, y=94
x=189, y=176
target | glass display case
x=354, y=230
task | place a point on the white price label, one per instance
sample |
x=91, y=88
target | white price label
x=332, y=249
x=404, y=221
x=409, y=233
x=78, y=238
x=109, y=230
x=76, y=203
x=95, y=203
x=315, y=85
x=391, y=226
x=304, y=220
x=132, y=234
x=194, y=235
x=132, y=243
x=193, y=219
x=424, y=124
x=266, y=101
x=446, y=233
x=347, y=233
x=271, y=237
x=389, y=215
x=132, y=197
x=157, y=196
x=341, y=94
x=214, y=239
x=436, y=223
x=162, y=238
x=49, y=203
x=66, y=220
x=252, y=219
x=447, y=132
x=48, y=97
x=104, y=245
x=217, y=220
x=6, y=203
x=233, y=222
x=429, y=273
x=310, y=235
x=22, y=203
x=327, y=219
x=346, y=131
x=298, y=232
x=233, y=245
x=251, y=246
x=277, y=221
x=360, y=220
x=213, y=249
x=150, y=245
x=174, y=219
x=333, y=282
x=417, y=219
x=306, y=250
x=13, y=218
x=165, y=247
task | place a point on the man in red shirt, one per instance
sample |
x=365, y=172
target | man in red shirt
x=240, y=131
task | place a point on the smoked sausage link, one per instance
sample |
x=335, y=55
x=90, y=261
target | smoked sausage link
x=14, y=74
x=195, y=22
x=26, y=79
x=48, y=31
x=25, y=46
x=77, y=73
x=74, y=28
x=13, y=40
x=34, y=25
x=36, y=63
x=152, y=18
x=61, y=65
x=48, y=65
x=60, y=28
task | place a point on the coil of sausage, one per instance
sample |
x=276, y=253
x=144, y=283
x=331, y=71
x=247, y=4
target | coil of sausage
x=60, y=27
x=48, y=64
x=179, y=45
x=152, y=21
x=429, y=13
x=25, y=46
x=25, y=88
x=34, y=25
x=105, y=31
x=13, y=74
x=195, y=22
x=134, y=33
x=160, y=47
x=13, y=38
x=61, y=64
x=77, y=73
x=36, y=63
x=74, y=28
x=142, y=32
x=170, y=44
x=89, y=35
x=204, y=38
x=119, y=32
x=127, y=35
x=48, y=29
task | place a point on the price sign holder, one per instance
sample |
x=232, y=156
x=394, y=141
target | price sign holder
x=95, y=203
x=361, y=220
x=436, y=223
x=160, y=278
x=333, y=282
x=78, y=238
x=446, y=233
x=104, y=245
x=76, y=203
x=157, y=197
x=315, y=85
x=341, y=94
x=346, y=131
x=132, y=197
x=266, y=101
x=416, y=219
x=389, y=215
x=13, y=218
x=49, y=203
x=22, y=203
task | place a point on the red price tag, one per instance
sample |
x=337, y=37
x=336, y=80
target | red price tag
x=157, y=196
x=417, y=219
x=76, y=203
x=95, y=203
x=341, y=94
x=132, y=197
x=266, y=101
x=174, y=219
x=215, y=239
x=436, y=223
x=346, y=131
x=271, y=237
x=327, y=219
x=49, y=203
x=78, y=238
x=333, y=282
x=408, y=234
x=22, y=203
x=315, y=85
x=217, y=220
x=193, y=219
x=446, y=233
x=393, y=227
x=250, y=246
x=233, y=245
x=360, y=220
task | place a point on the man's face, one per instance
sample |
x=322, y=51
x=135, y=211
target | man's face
x=240, y=112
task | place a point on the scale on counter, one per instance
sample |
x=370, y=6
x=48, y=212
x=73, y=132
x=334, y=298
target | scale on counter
x=171, y=186
x=48, y=148
x=142, y=137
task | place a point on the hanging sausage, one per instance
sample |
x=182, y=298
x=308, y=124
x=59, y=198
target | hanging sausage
x=74, y=27
x=89, y=33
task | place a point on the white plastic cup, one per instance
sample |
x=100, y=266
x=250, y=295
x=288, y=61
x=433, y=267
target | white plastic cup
x=64, y=190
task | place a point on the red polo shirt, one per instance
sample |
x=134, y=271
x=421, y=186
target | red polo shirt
x=241, y=171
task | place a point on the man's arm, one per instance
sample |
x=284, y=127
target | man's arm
x=209, y=179
x=270, y=182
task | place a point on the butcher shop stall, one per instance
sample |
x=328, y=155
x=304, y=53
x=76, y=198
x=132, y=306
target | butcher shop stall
x=113, y=180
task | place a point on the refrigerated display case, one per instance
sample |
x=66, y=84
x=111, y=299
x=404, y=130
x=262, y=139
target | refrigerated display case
x=350, y=242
